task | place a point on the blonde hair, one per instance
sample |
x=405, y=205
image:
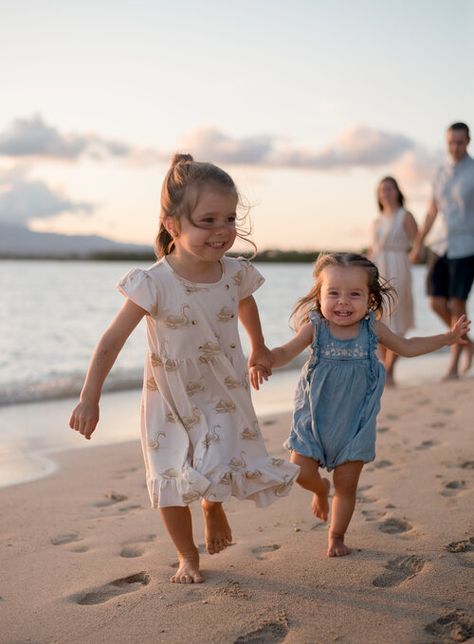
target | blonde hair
x=180, y=194
x=381, y=293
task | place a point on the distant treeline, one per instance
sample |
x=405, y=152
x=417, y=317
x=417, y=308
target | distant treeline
x=271, y=255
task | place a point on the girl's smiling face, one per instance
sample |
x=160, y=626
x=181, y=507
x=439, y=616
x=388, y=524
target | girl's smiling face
x=344, y=295
x=210, y=230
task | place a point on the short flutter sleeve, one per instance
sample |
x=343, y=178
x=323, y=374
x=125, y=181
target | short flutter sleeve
x=139, y=287
x=248, y=278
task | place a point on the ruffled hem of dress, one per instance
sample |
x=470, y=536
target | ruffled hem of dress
x=264, y=481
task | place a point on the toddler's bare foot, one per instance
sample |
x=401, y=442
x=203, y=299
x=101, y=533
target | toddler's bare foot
x=336, y=546
x=217, y=531
x=320, y=502
x=188, y=570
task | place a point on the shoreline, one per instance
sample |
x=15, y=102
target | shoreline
x=83, y=550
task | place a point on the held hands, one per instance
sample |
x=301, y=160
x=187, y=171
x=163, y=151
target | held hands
x=84, y=418
x=258, y=373
x=415, y=254
x=459, y=331
x=260, y=366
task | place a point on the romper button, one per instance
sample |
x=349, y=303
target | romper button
x=193, y=321
x=232, y=346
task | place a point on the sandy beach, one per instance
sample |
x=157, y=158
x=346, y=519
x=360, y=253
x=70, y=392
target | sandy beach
x=84, y=558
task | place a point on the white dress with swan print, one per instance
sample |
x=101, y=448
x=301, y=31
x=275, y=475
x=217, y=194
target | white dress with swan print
x=200, y=435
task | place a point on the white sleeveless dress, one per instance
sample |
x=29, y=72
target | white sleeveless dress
x=390, y=253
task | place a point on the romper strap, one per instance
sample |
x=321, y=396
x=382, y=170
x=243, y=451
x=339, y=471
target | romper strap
x=315, y=319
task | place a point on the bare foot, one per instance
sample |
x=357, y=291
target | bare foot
x=217, y=532
x=451, y=375
x=188, y=571
x=336, y=546
x=320, y=502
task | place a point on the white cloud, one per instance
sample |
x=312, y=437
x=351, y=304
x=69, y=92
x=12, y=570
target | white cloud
x=359, y=146
x=22, y=200
x=34, y=138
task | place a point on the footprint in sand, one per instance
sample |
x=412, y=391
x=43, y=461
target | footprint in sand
x=437, y=425
x=395, y=526
x=121, y=586
x=426, y=445
x=267, y=632
x=132, y=551
x=452, y=487
x=110, y=499
x=398, y=570
x=135, y=548
x=232, y=589
x=372, y=515
x=445, y=411
x=62, y=539
x=383, y=463
x=361, y=498
x=263, y=549
x=461, y=548
x=70, y=538
x=467, y=465
x=130, y=508
x=467, y=545
x=454, y=626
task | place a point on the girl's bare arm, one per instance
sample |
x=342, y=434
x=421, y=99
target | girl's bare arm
x=410, y=347
x=285, y=354
x=85, y=416
x=250, y=319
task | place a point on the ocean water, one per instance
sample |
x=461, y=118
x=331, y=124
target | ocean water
x=52, y=313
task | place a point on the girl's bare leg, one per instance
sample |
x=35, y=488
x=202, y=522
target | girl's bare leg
x=346, y=477
x=389, y=362
x=178, y=522
x=311, y=480
x=218, y=532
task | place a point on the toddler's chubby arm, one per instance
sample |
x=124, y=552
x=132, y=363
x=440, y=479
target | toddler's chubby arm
x=410, y=347
x=85, y=415
x=250, y=318
x=281, y=356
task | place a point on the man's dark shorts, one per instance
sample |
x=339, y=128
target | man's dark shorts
x=449, y=278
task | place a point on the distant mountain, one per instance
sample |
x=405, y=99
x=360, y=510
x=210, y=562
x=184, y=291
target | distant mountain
x=18, y=242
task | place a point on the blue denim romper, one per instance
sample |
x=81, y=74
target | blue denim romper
x=338, y=397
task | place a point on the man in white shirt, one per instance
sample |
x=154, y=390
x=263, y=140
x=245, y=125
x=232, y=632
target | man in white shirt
x=451, y=269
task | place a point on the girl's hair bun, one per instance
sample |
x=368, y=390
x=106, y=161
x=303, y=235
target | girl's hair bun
x=181, y=158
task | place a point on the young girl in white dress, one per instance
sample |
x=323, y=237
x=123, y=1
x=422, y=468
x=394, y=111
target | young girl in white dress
x=338, y=396
x=200, y=435
x=393, y=234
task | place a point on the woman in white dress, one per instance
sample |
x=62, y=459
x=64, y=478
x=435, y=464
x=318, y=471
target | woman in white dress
x=393, y=233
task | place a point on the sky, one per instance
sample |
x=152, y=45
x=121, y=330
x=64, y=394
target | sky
x=307, y=104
